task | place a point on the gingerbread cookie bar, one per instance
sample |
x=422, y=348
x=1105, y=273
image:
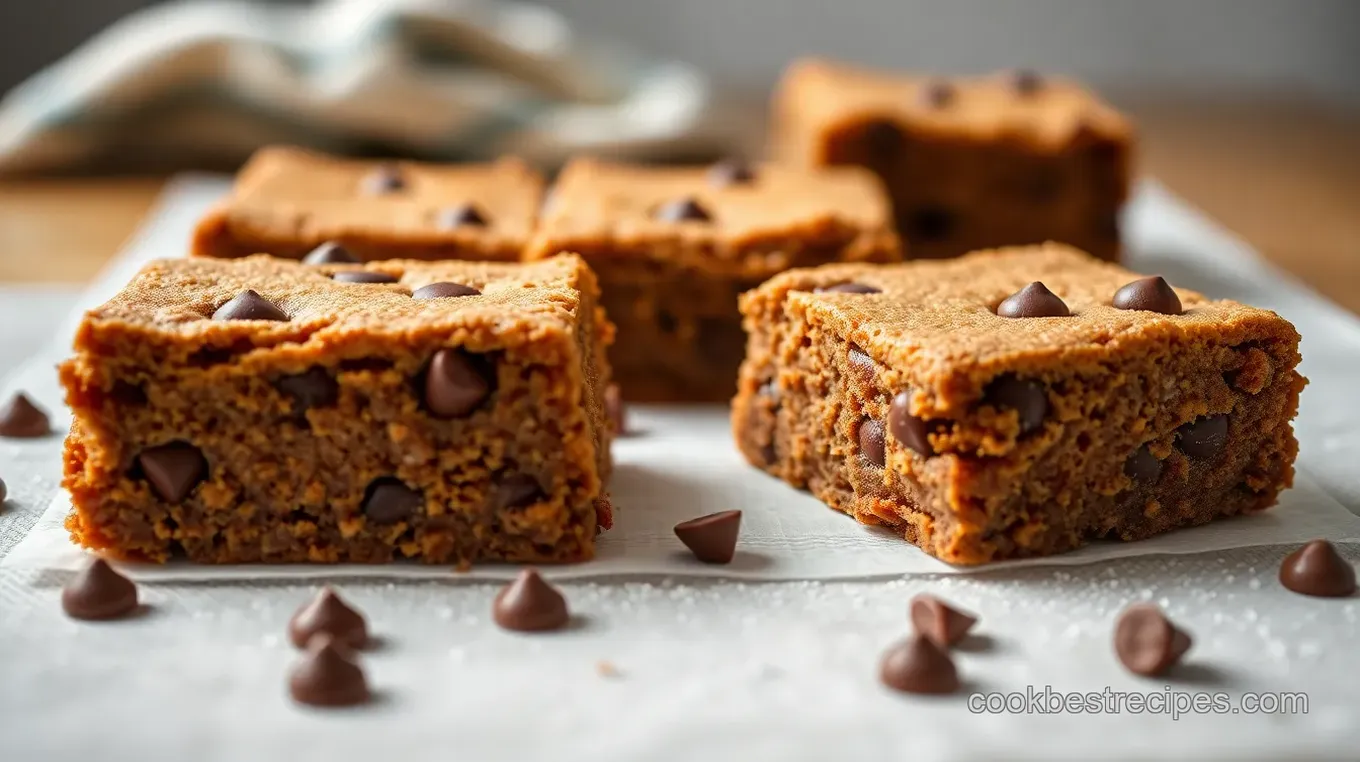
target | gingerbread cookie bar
x=262, y=410
x=970, y=163
x=287, y=202
x=675, y=246
x=1017, y=402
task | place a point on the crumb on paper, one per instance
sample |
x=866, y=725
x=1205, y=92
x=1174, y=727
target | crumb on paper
x=607, y=669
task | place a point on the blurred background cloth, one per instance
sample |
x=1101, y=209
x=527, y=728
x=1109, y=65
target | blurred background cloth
x=203, y=83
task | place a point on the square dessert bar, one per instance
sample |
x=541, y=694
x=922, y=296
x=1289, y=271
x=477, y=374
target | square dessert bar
x=970, y=163
x=262, y=410
x=675, y=246
x=288, y=201
x=1017, y=402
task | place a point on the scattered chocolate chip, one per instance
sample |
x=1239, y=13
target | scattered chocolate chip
x=882, y=140
x=939, y=621
x=918, y=665
x=730, y=172
x=929, y=223
x=1148, y=294
x=173, y=470
x=444, y=290
x=871, y=442
x=1143, y=467
x=330, y=253
x=312, y=388
x=462, y=216
x=1026, y=81
x=328, y=675
x=363, y=276
x=1033, y=301
x=21, y=419
x=1204, y=438
x=848, y=288
x=1317, y=569
x=1146, y=642
x=249, y=305
x=681, y=210
x=389, y=500
x=4, y=491
x=530, y=604
x=329, y=614
x=712, y=538
x=937, y=94
x=456, y=383
x=614, y=410
x=907, y=428
x=99, y=592
x=517, y=491
x=1027, y=398
x=384, y=179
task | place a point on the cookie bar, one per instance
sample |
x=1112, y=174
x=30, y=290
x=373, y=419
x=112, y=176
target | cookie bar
x=1017, y=402
x=262, y=410
x=970, y=163
x=288, y=201
x=675, y=246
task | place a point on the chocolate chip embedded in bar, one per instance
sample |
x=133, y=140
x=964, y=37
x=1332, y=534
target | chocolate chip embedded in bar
x=1017, y=402
x=304, y=205
x=262, y=410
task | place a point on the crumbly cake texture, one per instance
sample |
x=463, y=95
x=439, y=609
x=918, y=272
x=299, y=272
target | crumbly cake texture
x=971, y=163
x=981, y=437
x=674, y=247
x=359, y=424
x=287, y=201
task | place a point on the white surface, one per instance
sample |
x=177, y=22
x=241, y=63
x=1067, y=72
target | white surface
x=709, y=669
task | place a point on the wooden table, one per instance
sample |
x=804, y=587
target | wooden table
x=1284, y=175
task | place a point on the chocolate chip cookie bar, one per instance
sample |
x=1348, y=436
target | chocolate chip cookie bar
x=675, y=246
x=263, y=410
x=288, y=202
x=1017, y=402
x=970, y=162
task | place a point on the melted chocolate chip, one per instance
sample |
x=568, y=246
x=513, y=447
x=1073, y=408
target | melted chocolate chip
x=456, y=383
x=389, y=500
x=313, y=388
x=517, y=491
x=1143, y=467
x=1205, y=438
x=907, y=428
x=871, y=444
x=1027, y=398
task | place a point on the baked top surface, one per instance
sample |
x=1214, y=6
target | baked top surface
x=291, y=192
x=943, y=311
x=176, y=298
x=601, y=201
x=987, y=107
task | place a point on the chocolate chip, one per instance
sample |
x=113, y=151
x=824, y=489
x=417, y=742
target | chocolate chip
x=173, y=470
x=907, y=428
x=1143, y=467
x=614, y=410
x=1148, y=294
x=917, y=665
x=937, y=94
x=329, y=614
x=530, y=604
x=883, y=140
x=1317, y=569
x=312, y=388
x=383, y=180
x=464, y=215
x=99, y=592
x=863, y=364
x=363, y=276
x=1146, y=642
x=712, y=538
x=127, y=393
x=604, y=513
x=1203, y=439
x=21, y=419
x=330, y=253
x=1027, y=398
x=871, y=442
x=1026, y=81
x=456, y=383
x=928, y=224
x=848, y=288
x=444, y=290
x=328, y=675
x=517, y=491
x=939, y=621
x=249, y=305
x=389, y=500
x=681, y=210
x=1033, y=301
x=730, y=172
